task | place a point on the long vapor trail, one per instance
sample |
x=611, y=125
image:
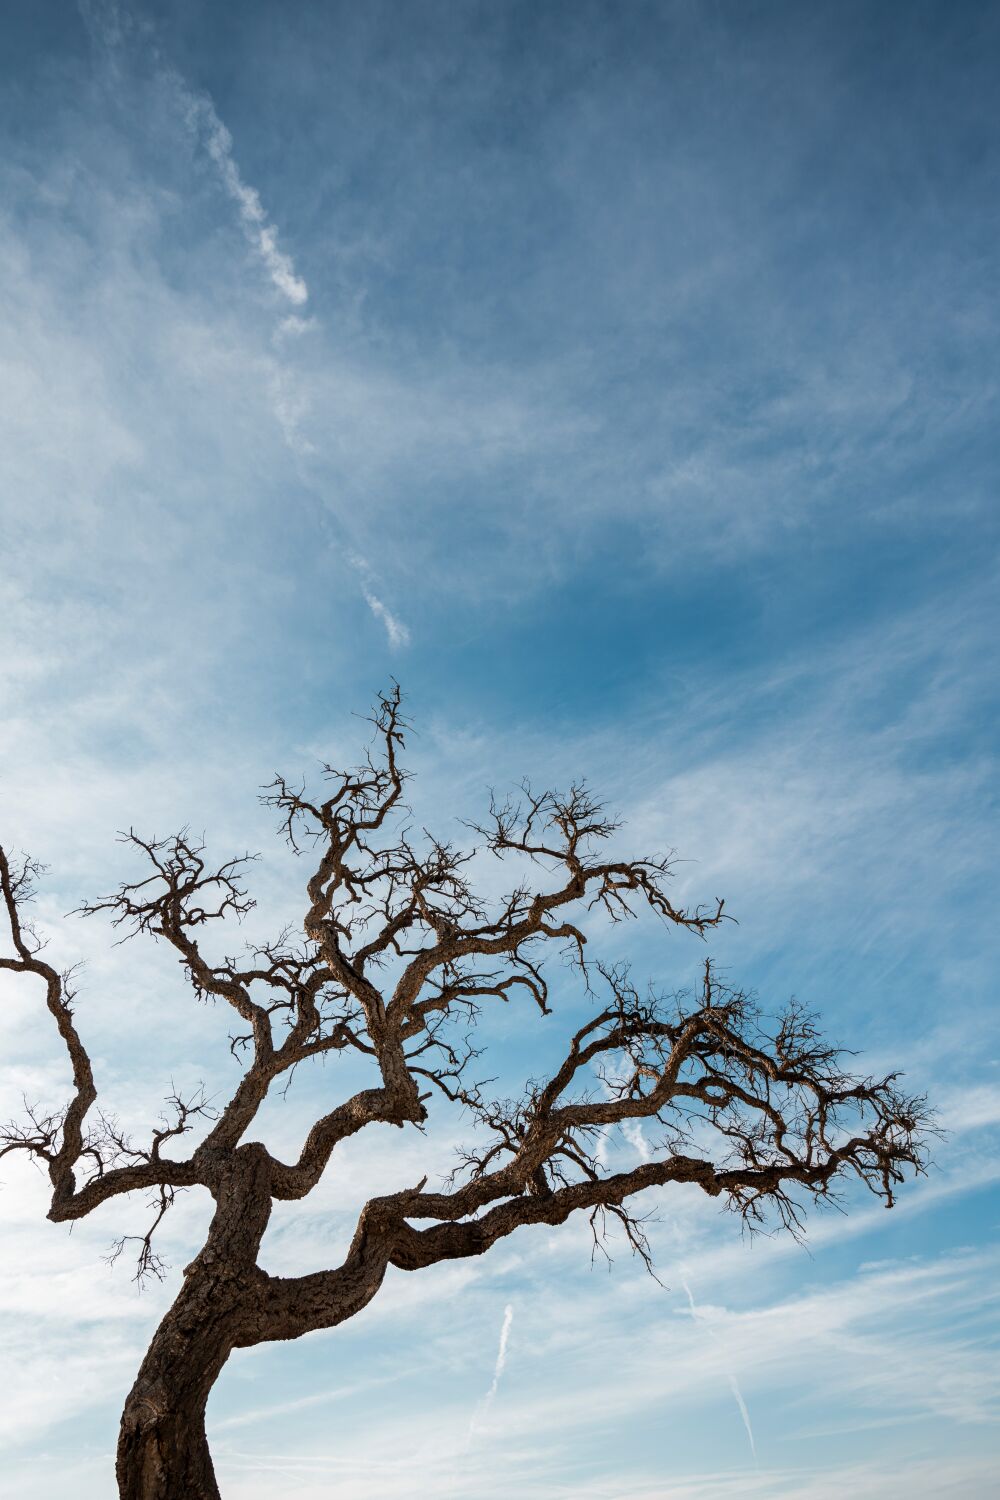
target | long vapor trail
x=124, y=37
x=733, y=1382
x=257, y=227
x=498, y=1369
x=508, y=1318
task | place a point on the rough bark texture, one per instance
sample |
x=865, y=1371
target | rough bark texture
x=163, y=1449
x=397, y=957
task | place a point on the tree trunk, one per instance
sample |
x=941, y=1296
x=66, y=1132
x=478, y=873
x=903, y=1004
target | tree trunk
x=162, y=1447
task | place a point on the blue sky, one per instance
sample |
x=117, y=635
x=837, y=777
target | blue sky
x=623, y=380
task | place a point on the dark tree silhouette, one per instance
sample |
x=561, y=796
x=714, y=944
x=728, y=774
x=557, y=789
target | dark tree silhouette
x=396, y=960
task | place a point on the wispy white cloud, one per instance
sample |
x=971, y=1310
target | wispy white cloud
x=969, y=1108
x=291, y=403
x=293, y=327
x=608, y=1362
x=326, y=1397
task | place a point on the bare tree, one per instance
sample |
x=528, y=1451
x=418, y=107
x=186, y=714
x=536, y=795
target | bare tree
x=396, y=960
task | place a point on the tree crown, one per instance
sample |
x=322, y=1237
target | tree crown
x=397, y=956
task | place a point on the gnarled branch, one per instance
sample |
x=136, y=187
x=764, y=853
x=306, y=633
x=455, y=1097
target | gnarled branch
x=398, y=954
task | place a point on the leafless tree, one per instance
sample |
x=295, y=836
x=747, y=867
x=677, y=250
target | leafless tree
x=397, y=958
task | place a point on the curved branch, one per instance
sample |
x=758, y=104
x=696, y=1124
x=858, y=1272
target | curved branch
x=753, y=1115
x=61, y=1140
x=368, y=1107
x=64, y=1149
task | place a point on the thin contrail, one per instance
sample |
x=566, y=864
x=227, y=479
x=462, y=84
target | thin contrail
x=498, y=1369
x=508, y=1318
x=121, y=35
x=733, y=1382
x=257, y=227
x=738, y=1396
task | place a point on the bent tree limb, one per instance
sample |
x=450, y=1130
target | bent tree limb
x=397, y=958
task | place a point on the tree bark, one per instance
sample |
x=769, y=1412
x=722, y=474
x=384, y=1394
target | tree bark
x=163, y=1450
